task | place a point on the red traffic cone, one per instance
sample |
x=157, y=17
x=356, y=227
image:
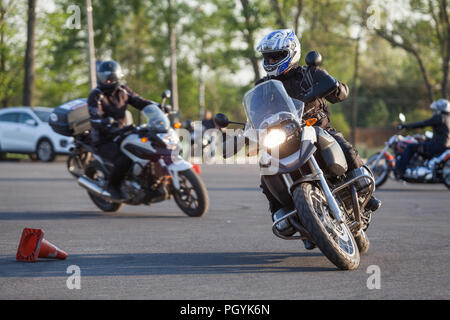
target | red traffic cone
x=33, y=246
x=196, y=168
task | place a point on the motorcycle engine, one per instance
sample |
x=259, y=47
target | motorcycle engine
x=132, y=191
x=362, y=186
x=424, y=173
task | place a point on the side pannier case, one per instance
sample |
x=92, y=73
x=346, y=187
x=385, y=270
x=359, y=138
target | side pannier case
x=71, y=118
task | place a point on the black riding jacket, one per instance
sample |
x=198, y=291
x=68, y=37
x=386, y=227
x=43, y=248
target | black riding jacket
x=440, y=123
x=314, y=86
x=103, y=105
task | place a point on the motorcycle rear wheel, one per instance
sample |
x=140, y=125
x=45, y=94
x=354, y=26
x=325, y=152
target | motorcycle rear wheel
x=380, y=170
x=192, y=198
x=334, y=240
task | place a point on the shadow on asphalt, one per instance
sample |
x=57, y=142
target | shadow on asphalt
x=35, y=179
x=52, y=215
x=409, y=190
x=232, y=189
x=142, y=264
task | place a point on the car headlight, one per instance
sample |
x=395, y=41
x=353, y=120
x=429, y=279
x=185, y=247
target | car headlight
x=170, y=138
x=274, y=138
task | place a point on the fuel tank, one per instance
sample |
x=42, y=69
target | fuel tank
x=330, y=153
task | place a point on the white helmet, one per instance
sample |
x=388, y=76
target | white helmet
x=283, y=48
x=441, y=105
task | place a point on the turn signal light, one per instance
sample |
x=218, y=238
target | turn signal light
x=310, y=122
x=144, y=140
x=177, y=125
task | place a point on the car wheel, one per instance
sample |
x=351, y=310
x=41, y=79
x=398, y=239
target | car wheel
x=45, y=151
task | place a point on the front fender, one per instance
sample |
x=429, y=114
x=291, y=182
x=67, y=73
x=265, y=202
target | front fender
x=180, y=165
x=175, y=167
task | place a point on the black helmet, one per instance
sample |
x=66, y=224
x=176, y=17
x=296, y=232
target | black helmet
x=109, y=74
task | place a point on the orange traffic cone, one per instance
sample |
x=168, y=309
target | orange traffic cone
x=196, y=168
x=33, y=246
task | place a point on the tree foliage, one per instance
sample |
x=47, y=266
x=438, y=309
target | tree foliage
x=403, y=63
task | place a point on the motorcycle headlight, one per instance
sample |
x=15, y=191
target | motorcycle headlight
x=274, y=138
x=170, y=138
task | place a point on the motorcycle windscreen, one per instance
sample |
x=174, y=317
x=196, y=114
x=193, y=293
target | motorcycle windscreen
x=156, y=119
x=267, y=99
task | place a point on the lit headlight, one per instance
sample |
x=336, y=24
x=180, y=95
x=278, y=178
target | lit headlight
x=170, y=138
x=274, y=138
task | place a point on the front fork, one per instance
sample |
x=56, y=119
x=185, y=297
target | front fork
x=317, y=172
x=390, y=159
x=334, y=207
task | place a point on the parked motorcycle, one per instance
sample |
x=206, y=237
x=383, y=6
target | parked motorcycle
x=420, y=168
x=305, y=169
x=157, y=172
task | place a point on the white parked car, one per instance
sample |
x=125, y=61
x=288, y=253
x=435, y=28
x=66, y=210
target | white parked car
x=26, y=130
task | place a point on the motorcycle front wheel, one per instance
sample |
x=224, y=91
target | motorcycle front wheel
x=380, y=169
x=192, y=197
x=334, y=240
x=446, y=173
x=363, y=242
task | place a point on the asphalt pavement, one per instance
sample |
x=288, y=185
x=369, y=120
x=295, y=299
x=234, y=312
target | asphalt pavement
x=157, y=252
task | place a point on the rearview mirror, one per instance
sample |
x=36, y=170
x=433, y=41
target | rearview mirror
x=221, y=120
x=313, y=59
x=402, y=117
x=166, y=94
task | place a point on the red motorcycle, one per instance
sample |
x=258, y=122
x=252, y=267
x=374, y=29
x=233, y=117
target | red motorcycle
x=420, y=169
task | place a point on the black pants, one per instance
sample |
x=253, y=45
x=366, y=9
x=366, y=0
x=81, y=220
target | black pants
x=429, y=149
x=111, y=152
x=354, y=161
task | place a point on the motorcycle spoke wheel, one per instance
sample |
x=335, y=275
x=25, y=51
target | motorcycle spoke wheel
x=335, y=230
x=380, y=170
x=188, y=195
x=334, y=239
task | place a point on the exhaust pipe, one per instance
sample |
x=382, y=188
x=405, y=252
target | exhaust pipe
x=95, y=189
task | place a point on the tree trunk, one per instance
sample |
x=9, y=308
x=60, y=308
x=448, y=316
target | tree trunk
x=355, y=93
x=173, y=58
x=91, y=46
x=424, y=75
x=446, y=48
x=297, y=15
x=28, y=87
x=250, y=39
x=281, y=23
x=4, y=102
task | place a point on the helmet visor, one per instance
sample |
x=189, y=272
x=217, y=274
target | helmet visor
x=107, y=77
x=275, y=56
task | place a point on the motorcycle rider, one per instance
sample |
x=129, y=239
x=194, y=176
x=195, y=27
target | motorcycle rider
x=311, y=84
x=440, y=122
x=107, y=105
x=208, y=121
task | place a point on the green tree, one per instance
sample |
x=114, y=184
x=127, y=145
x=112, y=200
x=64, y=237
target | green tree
x=11, y=54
